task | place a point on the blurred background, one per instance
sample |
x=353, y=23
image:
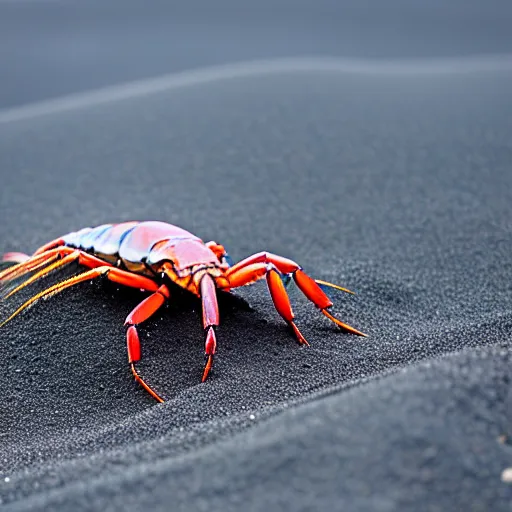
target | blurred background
x=50, y=48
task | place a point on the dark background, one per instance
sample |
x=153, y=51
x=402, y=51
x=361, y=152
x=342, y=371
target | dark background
x=51, y=48
x=391, y=178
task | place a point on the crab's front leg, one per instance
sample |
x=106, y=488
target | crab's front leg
x=257, y=265
x=247, y=274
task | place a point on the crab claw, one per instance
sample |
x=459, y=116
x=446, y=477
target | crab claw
x=342, y=325
x=207, y=367
x=325, y=284
x=209, y=349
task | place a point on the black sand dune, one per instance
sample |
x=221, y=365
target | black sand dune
x=396, y=185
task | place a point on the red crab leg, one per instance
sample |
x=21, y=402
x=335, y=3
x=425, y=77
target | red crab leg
x=140, y=314
x=248, y=274
x=306, y=284
x=210, y=320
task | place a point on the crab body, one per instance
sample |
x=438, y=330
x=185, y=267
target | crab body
x=152, y=248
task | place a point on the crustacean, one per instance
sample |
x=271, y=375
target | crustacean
x=153, y=256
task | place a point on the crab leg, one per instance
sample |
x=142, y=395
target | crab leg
x=57, y=288
x=69, y=258
x=40, y=256
x=306, y=284
x=139, y=314
x=143, y=311
x=148, y=307
x=58, y=242
x=33, y=263
x=114, y=274
x=250, y=273
x=210, y=320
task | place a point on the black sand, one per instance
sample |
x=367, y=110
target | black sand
x=396, y=185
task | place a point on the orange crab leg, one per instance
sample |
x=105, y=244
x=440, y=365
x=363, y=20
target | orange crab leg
x=113, y=274
x=249, y=274
x=73, y=256
x=244, y=275
x=68, y=256
x=282, y=302
x=58, y=242
x=30, y=263
x=148, y=307
x=33, y=263
x=306, y=284
x=40, y=260
x=57, y=288
x=284, y=265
